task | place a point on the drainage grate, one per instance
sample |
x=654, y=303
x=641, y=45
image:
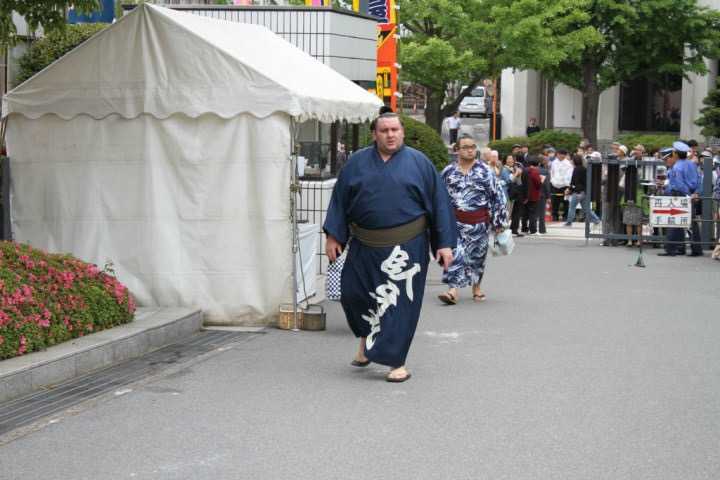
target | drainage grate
x=25, y=410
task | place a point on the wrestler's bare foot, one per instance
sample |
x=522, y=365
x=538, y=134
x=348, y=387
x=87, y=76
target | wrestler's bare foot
x=360, y=359
x=398, y=375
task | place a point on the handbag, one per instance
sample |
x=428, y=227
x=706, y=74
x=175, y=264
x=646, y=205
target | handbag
x=333, y=276
x=502, y=243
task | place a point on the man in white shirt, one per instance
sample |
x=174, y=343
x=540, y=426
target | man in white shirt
x=454, y=126
x=560, y=178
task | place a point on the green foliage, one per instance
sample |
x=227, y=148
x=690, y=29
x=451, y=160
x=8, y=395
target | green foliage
x=651, y=142
x=710, y=115
x=595, y=44
x=53, y=46
x=49, y=14
x=417, y=135
x=46, y=299
x=422, y=137
x=535, y=142
x=440, y=47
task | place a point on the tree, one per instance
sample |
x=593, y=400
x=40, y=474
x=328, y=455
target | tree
x=613, y=41
x=448, y=41
x=49, y=14
x=710, y=115
x=53, y=46
x=435, y=52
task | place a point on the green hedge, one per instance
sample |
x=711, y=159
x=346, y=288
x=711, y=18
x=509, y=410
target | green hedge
x=417, y=135
x=557, y=138
x=424, y=138
x=53, y=46
x=651, y=142
x=46, y=299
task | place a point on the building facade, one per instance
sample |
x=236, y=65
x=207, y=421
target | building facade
x=633, y=106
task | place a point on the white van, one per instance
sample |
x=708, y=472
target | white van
x=473, y=104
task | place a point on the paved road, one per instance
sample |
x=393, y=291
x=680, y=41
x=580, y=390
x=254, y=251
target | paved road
x=576, y=367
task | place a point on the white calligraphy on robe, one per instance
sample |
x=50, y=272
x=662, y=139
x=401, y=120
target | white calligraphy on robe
x=386, y=295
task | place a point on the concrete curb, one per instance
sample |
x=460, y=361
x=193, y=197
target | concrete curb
x=152, y=328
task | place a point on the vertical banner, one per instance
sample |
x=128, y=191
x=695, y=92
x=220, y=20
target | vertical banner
x=386, y=79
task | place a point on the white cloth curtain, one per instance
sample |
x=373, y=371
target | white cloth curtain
x=191, y=211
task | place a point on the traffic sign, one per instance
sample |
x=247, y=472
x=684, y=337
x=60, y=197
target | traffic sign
x=670, y=212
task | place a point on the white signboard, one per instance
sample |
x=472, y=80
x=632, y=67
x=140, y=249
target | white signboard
x=670, y=212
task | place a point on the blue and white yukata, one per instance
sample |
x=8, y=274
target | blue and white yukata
x=479, y=189
x=382, y=287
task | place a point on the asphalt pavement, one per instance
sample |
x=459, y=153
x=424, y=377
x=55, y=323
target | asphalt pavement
x=577, y=366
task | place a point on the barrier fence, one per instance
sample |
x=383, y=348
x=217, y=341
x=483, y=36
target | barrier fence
x=612, y=183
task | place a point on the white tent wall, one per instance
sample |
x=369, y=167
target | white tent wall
x=191, y=211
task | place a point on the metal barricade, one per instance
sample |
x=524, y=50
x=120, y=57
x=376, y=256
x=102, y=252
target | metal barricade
x=312, y=204
x=606, y=191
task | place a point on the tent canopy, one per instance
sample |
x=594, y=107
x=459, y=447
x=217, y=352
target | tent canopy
x=162, y=62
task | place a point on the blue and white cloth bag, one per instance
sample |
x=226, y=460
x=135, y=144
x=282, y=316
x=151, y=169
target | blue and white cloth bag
x=334, y=275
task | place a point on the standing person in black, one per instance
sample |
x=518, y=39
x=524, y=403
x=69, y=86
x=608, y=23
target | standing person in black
x=532, y=127
x=518, y=194
x=576, y=191
x=545, y=193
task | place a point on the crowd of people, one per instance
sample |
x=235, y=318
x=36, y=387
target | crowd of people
x=556, y=180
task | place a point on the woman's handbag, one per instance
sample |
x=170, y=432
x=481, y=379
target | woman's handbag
x=334, y=275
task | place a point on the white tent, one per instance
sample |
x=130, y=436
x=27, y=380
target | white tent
x=162, y=144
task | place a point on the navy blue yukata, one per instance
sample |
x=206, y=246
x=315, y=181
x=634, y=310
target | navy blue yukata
x=477, y=190
x=382, y=287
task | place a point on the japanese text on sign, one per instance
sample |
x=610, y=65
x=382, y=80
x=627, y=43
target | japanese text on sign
x=670, y=212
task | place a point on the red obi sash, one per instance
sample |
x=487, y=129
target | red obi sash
x=481, y=215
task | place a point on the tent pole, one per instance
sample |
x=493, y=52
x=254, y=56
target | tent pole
x=293, y=218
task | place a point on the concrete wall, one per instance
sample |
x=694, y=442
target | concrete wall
x=512, y=95
x=345, y=41
x=568, y=107
x=694, y=90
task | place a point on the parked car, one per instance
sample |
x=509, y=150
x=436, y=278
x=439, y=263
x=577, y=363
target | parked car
x=473, y=104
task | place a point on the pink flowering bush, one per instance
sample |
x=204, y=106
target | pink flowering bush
x=47, y=298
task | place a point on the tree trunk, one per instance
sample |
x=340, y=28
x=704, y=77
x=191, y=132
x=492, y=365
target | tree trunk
x=433, y=112
x=590, y=103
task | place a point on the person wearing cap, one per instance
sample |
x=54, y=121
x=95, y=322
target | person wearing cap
x=515, y=149
x=683, y=181
x=560, y=179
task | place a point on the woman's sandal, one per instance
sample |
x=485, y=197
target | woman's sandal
x=448, y=298
x=479, y=297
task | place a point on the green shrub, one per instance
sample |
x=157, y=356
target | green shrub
x=710, y=114
x=417, y=135
x=651, y=142
x=557, y=138
x=53, y=46
x=422, y=137
x=46, y=299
